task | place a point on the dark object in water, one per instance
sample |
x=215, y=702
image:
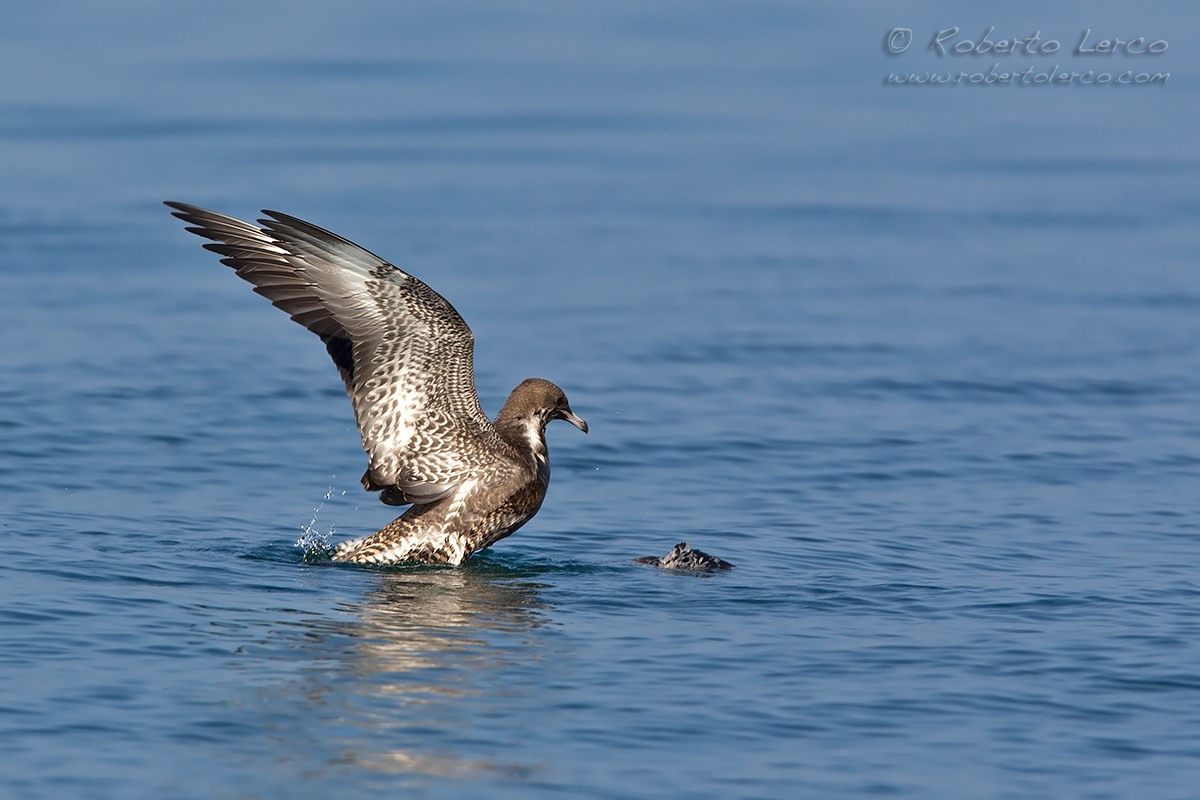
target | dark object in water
x=683, y=557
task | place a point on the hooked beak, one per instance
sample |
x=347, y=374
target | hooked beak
x=570, y=417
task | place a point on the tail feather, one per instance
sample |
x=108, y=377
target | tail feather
x=402, y=542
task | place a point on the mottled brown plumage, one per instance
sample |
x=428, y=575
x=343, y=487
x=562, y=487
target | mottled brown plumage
x=405, y=356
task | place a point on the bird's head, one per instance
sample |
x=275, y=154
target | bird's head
x=530, y=407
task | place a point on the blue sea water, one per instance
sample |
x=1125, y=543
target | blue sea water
x=920, y=360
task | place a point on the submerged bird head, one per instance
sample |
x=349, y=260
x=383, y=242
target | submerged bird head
x=530, y=408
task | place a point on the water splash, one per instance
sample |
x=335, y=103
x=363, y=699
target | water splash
x=313, y=541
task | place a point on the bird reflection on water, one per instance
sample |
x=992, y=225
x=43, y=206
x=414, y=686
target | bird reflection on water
x=436, y=609
x=432, y=648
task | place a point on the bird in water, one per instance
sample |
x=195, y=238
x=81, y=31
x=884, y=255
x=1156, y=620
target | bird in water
x=405, y=356
x=683, y=557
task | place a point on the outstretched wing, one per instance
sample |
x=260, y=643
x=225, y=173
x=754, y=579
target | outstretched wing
x=403, y=351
